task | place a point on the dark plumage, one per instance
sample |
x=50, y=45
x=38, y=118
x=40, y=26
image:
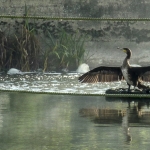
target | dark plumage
x=133, y=75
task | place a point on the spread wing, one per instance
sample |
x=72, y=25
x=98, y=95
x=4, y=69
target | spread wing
x=142, y=72
x=102, y=74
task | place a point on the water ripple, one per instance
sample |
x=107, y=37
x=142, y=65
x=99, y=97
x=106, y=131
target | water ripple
x=54, y=83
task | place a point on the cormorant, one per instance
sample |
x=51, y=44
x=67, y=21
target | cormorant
x=133, y=75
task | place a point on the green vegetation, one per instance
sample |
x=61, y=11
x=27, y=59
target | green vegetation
x=23, y=50
x=29, y=46
x=21, y=46
x=65, y=51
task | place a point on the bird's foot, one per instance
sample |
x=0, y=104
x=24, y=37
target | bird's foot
x=135, y=91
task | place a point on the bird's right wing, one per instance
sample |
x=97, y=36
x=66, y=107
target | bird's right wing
x=102, y=74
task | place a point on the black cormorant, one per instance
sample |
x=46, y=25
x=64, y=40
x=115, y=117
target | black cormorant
x=133, y=75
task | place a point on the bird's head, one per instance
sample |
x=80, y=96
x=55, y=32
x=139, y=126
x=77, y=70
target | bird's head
x=127, y=51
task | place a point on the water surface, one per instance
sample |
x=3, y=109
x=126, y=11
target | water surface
x=53, y=82
x=44, y=121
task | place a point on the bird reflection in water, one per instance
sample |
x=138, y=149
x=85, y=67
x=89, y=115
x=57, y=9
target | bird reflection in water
x=125, y=126
x=133, y=115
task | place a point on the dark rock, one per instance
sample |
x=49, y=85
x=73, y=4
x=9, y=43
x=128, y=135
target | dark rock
x=125, y=91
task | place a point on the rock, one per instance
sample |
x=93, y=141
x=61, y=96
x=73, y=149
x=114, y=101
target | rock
x=125, y=91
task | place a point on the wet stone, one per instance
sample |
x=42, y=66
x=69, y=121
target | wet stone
x=125, y=91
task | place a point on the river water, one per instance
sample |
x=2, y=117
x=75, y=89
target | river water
x=66, y=122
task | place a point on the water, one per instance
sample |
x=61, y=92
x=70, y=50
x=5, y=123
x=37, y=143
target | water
x=57, y=82
x=63, y=122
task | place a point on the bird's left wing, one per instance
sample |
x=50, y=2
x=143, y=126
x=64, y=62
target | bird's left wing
x=142, y=72
x=102, y=74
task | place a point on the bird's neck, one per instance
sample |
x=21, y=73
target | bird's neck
x=126, y=62
x=128, y=55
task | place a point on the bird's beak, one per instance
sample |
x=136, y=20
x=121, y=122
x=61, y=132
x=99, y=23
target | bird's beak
x=124, y=50
x=121, y=49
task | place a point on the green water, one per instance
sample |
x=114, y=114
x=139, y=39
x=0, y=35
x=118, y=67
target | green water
x=51, y=122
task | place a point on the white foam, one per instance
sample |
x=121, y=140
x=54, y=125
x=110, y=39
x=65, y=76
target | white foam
x=83, y=68
x=13, y=71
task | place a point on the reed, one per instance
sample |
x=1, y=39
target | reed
x=68, y=49
x=28, y=50
x=3, y=40
x=23, y=49
x=19, y=50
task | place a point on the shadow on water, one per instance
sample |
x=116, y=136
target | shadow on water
x=136, y=114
